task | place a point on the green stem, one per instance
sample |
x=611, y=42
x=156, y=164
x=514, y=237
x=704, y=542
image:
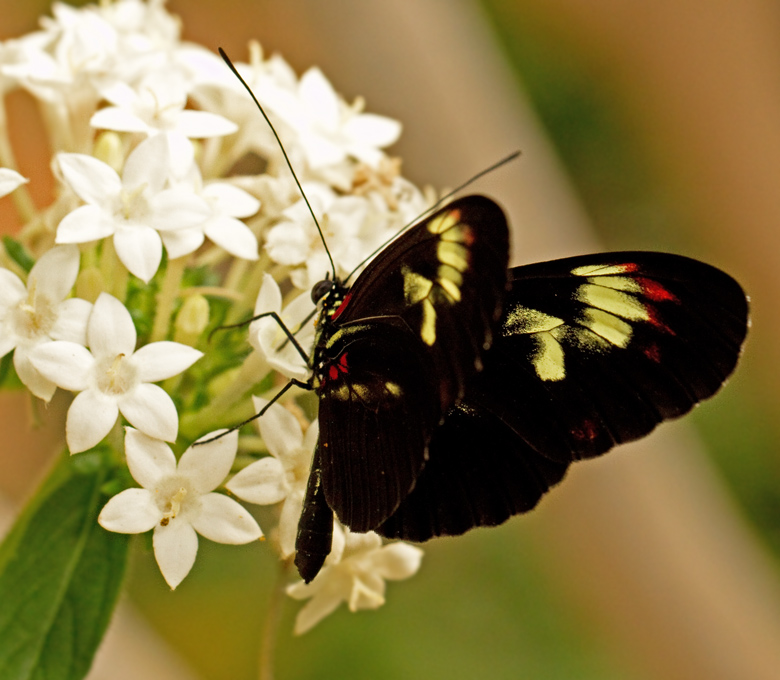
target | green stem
x=166, y=297
x=271, y=626
x=114, y=273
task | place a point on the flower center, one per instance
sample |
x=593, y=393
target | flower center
x=173, y=506
x=133, y=201
x=116, y=375
x=33, y=317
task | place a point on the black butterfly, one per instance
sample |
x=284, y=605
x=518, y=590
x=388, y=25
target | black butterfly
x=455, y=392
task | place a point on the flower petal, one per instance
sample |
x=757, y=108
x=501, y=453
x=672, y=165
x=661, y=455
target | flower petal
x=54, y=274
x=71, y=324
x=140, y=249
x=262, y=482
x=12, y=290
x=90, y=418
x=148, y=459
x=93, y=181
x=161, y=360
x=230, y=200
x=175, y=549
x=66, y=364
x=110, y=331
x=151, y=410
x=147, y=165
x=208, y=464
x=280, y=430
x=31, y=377
x=182, y=241
x=87, y=223
x=397, y=561
x=224, y=520
x=314, y=611
x=202, y=124
x=288, y=523
x=132, y=511
x=232, y=235
x=10, y=180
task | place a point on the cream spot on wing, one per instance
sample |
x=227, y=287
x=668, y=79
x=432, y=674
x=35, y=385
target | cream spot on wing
x=613, y=301
x=608, y=326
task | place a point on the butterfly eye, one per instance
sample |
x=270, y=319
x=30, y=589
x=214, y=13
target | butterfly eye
x=320, y=290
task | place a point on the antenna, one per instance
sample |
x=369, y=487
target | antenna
x=443, y=199
x=226, y=59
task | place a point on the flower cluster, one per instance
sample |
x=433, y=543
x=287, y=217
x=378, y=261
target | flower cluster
x=176, y=216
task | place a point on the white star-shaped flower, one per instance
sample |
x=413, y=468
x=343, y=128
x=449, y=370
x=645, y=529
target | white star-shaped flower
x=329, y=130
x=39, y=312
x=113, y=378
x=178, y=501
x=355, y=573
x=267, y=337
x=133, y=209
x=282, y=476
x=351, y=225
x=158, y=104
x=226, y=204
x=75, y=49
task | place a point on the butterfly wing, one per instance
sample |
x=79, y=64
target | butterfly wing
x=399, y=350
x=445, y=279
x=591, y=352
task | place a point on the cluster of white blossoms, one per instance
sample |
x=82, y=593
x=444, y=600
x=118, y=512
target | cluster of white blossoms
x=175, y=215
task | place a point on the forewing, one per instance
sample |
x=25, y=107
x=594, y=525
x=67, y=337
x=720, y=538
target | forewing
x=597, y=350
x=378, y=408
x=445, y=279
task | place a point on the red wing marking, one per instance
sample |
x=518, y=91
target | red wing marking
x=342, y=306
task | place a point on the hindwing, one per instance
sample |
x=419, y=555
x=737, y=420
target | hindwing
x=590, y=352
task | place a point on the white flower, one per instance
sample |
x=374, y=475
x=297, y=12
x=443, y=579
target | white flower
x=225, y=202
x=178, y=500
x=329, y=130
x=113, y=378
x=10, y=180
x=350, y=224
x=357, y=579
x=267, y=337
x=132, y=208
x=75, y=50
x=39, y=312
x=158, y=105
x=282, y=476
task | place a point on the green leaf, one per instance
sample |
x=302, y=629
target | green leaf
x=18, y=253
x=60, y=575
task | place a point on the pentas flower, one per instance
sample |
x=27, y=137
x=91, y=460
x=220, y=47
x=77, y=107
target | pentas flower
x=282, y=476
x=355, y=573
x=72, y=53
x=225, y=203
x=134, y=209
x=178, y=501
x=157, y=104
x=328, y=129
x=267, y=336
x=113, y=378
x=40, y=312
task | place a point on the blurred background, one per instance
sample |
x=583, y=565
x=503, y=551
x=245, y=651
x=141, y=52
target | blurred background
x=642, y=126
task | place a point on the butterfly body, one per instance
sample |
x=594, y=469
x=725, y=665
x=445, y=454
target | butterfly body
x=454, y=392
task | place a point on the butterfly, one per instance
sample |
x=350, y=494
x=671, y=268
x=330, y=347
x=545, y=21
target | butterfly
x=454, y=392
